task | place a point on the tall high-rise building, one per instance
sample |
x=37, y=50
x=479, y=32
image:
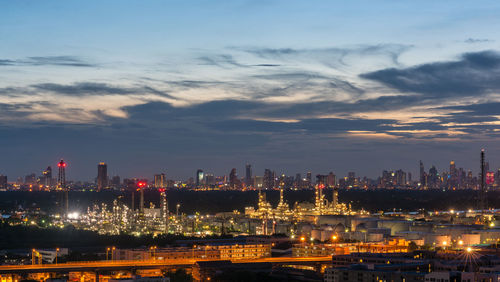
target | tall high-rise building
x=210, y=179
x=199, y=177
x=61, y=177
x=30, y=179
x=308, y=179
x=234, y=182
x=331, y=180
x=321, y=180
x=102, y=176
x=61, y=184
x=422, y=172
x=3, y=181
x=258, y=182
x=47, y=176
x=160, y=181
x=248, y=175
x=268, y=179
x=298, y=181
x=482, y=188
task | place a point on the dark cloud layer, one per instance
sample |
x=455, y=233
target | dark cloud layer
x=473, y=74
x=83, y=88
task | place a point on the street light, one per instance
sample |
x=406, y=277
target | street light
x=112, y=253
x=153, y=249
x=107, y=251
x=57, y=251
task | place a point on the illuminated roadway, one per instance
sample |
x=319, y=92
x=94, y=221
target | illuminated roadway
x=142, y=264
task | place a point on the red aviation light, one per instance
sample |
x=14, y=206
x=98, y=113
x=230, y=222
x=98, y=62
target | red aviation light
x=141, y=184
x=161, y=190
x=321, y=186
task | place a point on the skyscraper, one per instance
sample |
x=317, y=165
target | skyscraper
x=160, y=181
x=308, y=179
x=102, y=176
x=482, y=188
x=3, y=181
x=199, y=177
x=248, y=175
x=268, y=179
x=331, y=180
x=61, y=177
x=422, y=174
x=61, y=184
x=47, y=176
x=234, y=182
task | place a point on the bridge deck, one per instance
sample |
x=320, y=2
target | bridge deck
x=142, y=264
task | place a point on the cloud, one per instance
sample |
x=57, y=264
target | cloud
x=83, y=88
x=472, y=75
x=71, y=61
x=477, y=40
x=92, y=88
x=7, y=62
x=58, y=61
x=220, y=60
x=335, y=57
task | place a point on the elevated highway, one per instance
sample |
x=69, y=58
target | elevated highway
x=97, y=266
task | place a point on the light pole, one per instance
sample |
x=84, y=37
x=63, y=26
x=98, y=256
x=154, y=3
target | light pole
x=107, y=252
x=178, y=206
x=153, y=250
x=57, y=251
x=112, y=253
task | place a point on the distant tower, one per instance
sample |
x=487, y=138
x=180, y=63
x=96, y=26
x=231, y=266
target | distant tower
x=61, y=178
x=164, y=208
x=248, y=174
x=335, y=199
x=268, y=179
x=61, y=184
x=141, y=185
x=234, y=182
x=482, y=191
x=160, y=181
x=47, y=177
x=102, y=176
x=422, y=174
x=199, y=177
x=309, y=179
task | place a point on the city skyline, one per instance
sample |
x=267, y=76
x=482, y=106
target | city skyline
x=102, y=179
x=288, y=85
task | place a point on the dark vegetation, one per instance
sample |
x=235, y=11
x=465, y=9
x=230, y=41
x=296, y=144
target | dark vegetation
x=22, y=237
x=220, y=201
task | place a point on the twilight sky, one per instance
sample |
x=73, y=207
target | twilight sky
x=173, y=86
